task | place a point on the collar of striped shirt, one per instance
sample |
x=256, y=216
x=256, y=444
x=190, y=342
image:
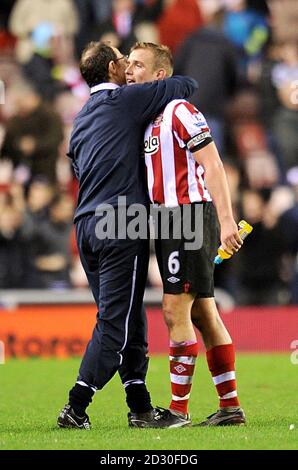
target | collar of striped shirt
x=104, y=86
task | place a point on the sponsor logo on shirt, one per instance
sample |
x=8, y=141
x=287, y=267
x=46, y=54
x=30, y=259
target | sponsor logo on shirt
x=173, y=280
x=151, y=145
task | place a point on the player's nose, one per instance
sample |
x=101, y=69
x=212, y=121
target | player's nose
x=128, y=69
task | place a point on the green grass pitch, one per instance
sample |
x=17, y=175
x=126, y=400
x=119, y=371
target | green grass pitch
x=33, y=391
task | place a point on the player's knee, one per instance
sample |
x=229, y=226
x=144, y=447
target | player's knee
x=176, y=310
x=170, y=313
x=169, y=317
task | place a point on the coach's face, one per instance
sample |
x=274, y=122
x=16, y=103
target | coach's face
x=141, y=67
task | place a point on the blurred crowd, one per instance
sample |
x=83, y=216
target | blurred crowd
x=243, y=53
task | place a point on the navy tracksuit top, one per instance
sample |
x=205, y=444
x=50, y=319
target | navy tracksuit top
x=107, y=140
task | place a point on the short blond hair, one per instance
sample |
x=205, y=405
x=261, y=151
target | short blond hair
x=162, y=55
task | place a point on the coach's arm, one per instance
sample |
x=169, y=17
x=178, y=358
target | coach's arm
x=146, y=100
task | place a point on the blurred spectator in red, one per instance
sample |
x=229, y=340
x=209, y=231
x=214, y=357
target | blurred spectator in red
x=33, y=136
x=210, y=58
x=178, y=20
x=6, y=178
x=122, y=16
x=28, y=14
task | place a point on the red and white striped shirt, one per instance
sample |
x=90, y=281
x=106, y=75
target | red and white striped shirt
x=173, y=175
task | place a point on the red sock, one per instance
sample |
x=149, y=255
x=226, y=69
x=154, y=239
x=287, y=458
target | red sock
x=182, y=363
x=221, y=362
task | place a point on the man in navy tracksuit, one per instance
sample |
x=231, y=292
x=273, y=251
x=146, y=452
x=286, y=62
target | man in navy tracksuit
x=105, y=149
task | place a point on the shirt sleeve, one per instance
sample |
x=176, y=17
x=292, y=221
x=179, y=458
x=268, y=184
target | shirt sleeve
x=191, y=127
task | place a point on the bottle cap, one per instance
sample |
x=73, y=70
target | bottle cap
x=218, y=260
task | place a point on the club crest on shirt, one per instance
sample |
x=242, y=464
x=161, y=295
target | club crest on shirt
x=200, y=120
x=151, y=145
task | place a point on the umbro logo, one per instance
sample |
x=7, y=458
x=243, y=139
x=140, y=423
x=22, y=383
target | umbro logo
x=180, y=369
x=173, y=279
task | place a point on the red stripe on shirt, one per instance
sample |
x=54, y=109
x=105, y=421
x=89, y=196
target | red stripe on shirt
x=157, y=189
x=181, y=167
x=201, y=190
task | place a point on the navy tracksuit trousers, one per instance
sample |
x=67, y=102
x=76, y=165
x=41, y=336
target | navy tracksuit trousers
x=117, y=272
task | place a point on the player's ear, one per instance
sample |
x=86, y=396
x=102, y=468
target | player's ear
x=161, y=74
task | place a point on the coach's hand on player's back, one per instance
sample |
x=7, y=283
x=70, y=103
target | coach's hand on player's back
x=229, y=235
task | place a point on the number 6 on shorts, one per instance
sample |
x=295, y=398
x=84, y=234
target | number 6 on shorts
x=173, y=262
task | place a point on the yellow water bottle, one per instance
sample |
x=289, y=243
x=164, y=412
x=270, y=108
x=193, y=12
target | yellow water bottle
x=244, y=229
